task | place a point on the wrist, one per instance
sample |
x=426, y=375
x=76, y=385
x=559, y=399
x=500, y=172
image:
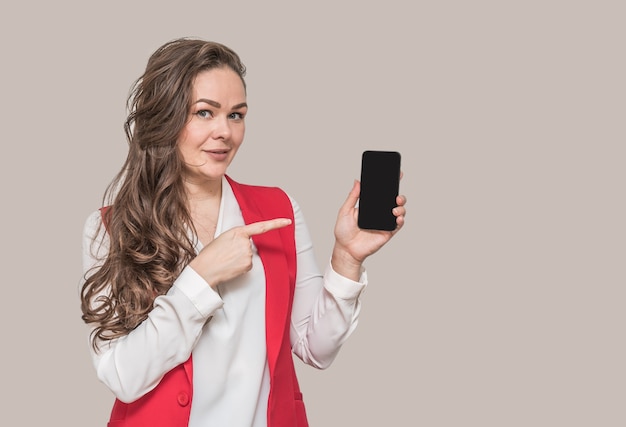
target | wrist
x=212, y=279
x=345, y=264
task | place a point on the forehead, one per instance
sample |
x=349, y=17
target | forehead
x=222, y=83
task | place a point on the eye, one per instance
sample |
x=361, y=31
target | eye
x=236, y=116
x=204, y=114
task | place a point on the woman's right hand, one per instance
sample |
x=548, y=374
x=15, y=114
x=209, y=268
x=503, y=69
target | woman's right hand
x=230, y=254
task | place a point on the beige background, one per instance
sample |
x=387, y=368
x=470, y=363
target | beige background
x=500, y=304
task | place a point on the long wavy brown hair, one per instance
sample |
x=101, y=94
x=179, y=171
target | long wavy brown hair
x=149, y=221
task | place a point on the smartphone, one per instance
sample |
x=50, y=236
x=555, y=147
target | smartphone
x=380, y=184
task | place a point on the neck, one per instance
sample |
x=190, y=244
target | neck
x=198, y=192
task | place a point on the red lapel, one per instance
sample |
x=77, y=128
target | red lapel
x=278, y=291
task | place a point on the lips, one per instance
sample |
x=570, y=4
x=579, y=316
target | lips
x=218, y=154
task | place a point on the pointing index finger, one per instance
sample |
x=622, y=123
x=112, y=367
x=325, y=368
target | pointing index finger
x=265, y=226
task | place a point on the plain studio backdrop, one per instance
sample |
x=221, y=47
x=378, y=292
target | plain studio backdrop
x=500, y=304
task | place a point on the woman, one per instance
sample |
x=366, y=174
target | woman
x=197, y=288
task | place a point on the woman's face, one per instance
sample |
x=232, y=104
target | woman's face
x=215, y=129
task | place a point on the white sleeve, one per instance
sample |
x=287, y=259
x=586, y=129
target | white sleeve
x=325, y=307
x=134, y=364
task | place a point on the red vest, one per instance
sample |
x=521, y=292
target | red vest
x=169, y=404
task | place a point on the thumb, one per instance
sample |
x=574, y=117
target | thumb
x=265, y=226
x=352, y=198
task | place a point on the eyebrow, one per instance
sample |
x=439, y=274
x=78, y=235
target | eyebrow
x=218, y=105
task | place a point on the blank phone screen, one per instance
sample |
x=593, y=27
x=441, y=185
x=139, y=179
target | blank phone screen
x=380, y=180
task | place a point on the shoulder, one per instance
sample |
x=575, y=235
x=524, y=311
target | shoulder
x=93, y=220
x=92, y=227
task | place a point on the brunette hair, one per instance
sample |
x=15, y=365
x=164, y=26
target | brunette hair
x=148, y=222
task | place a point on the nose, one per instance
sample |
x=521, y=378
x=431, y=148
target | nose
x=222, y=128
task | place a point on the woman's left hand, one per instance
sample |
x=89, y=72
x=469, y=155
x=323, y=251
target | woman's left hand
x=352, y=244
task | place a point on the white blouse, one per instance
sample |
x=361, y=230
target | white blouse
x=225, y=329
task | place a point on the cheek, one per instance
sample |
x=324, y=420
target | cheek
x=187, y=147
x=240, y=133
x=182, y=145
x=190, y=138
x=181, y=141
